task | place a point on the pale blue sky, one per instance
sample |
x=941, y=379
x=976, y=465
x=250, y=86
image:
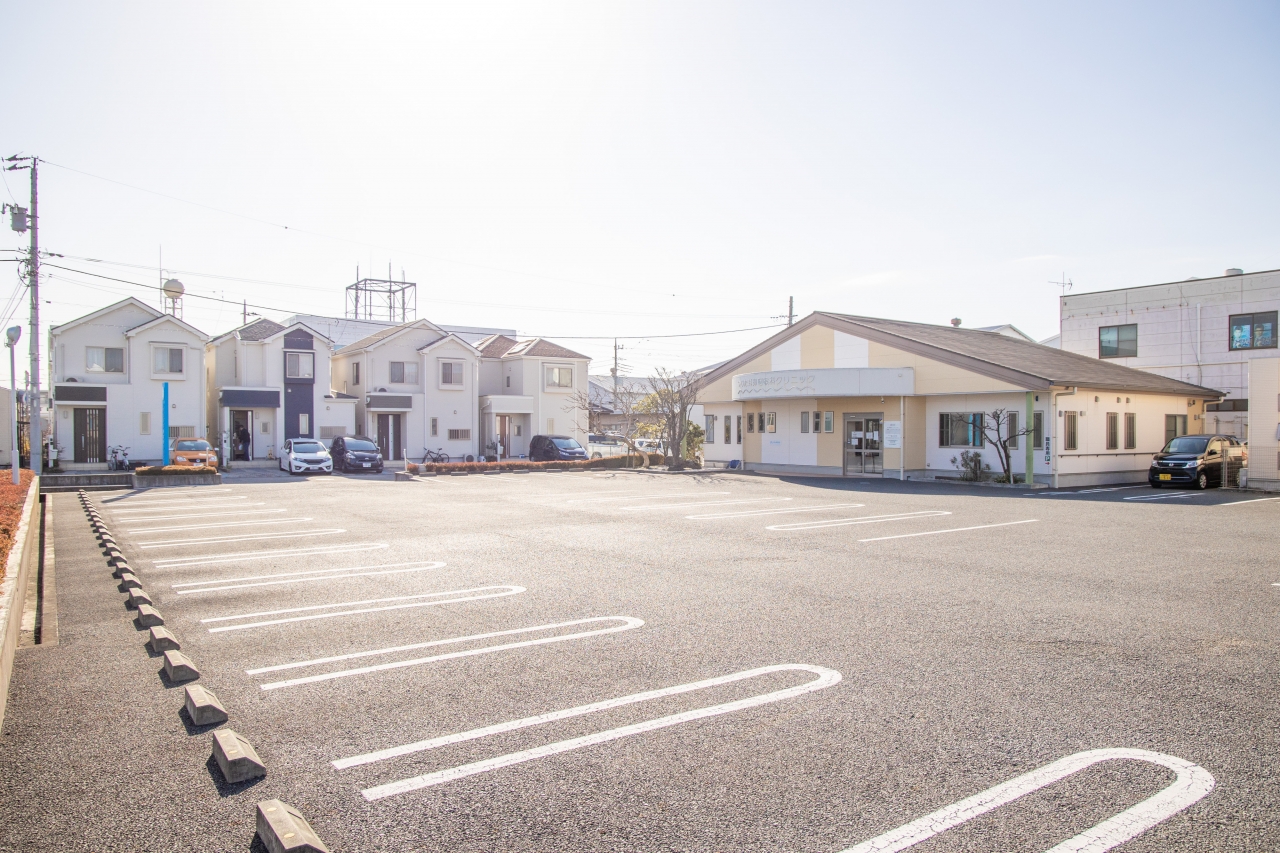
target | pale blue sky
x=648, y=168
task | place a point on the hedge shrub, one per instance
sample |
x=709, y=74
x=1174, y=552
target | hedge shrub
x=172, y=470
x=608, y=462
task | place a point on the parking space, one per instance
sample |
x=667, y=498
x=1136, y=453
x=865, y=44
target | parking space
x=706, y=662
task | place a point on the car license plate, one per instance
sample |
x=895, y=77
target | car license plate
x=1166, y=476
x=368, y=464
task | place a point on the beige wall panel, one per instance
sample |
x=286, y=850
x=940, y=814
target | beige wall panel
x=914, y=432
x=817, y=348
x=933, y=377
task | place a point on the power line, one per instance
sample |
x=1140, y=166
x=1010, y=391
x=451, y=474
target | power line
x=154, y=287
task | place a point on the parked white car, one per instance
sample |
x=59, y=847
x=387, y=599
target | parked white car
x=305, y=456
x=599, y=446
x=652, y=445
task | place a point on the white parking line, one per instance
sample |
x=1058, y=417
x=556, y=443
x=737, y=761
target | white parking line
x=629, y=623
x=220, y=525
x=825, y=678
x=641, y=496
x=701, y=503
x=228, y=501
x=1193, y=783
x=177, y=562
x=460, y=595
x=303, y=577
x=863, y=519
x=950, y=530
x=1083, y=491
x=213, y=540
x=1251, y=501
x=748, y=513
x=202, y=514
x=1162, y=497
x=180, y=494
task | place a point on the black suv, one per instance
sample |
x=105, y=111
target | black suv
x=355, y=453
x=555, y=448
x=1194, y=460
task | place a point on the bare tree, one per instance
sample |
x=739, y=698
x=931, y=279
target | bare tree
x=585, y=405
x=670, y=398
x=996, y=430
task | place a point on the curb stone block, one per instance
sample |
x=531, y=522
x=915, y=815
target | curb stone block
x=236, y=757
x=204, y=707
x=130, y=581
x=282, y=829
x=149, y=617
x=162, y=640
x=138, y=596
x=179, y=667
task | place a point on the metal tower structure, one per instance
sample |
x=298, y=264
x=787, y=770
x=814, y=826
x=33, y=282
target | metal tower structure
x=382, y=299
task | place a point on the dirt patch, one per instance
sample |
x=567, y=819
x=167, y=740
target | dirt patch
x=12, y=499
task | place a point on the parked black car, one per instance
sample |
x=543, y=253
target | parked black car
x=355, y=453
x=555, y=448
x=1194, y=460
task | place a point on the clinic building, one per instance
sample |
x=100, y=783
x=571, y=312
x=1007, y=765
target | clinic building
x=841, y=395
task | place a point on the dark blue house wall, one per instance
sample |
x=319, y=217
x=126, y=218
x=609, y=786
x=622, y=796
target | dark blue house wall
x=299, y=394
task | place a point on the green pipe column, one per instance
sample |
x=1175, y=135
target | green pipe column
x=1027, y=439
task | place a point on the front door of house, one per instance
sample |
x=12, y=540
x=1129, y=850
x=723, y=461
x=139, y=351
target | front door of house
x=90, y=435
x=863, y=445
x=390, y=437
x=242, y=434
x=504, y=436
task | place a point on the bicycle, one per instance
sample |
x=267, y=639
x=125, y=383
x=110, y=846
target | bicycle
x=119, y=459
x=434, y=455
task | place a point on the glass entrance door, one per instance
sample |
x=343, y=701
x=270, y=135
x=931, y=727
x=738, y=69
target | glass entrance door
x=863, y=445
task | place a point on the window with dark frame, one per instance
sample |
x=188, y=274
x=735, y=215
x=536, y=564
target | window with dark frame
x=960, y=429
x=1130, y=431
x=1011, y=430
x=728, y=429
x=1113, y=430
x=1253, y=331
x=751, y=421
x=804, y=422
x=709, y=428
x=1037, y=430
x=1174, y=426
x=300, y=365
x=1118, y=341
x=739, y=429
x=1070, y=431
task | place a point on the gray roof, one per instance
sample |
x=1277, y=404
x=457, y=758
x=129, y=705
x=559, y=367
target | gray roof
x=1021, y=363
x=259, y=330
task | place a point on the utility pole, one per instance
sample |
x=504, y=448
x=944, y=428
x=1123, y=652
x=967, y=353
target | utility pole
x=791, y=310
x=33, y=273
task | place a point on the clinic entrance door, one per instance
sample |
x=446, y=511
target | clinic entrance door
x=863, y=444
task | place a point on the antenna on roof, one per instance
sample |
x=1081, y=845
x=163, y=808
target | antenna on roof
x=1066, y=284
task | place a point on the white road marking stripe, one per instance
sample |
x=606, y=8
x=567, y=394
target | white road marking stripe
x=300, y=577
x=951, y=530
x=179, y=494
x=213, y=540
x=460, y=596
x=220, y=525
x=1083, y=491
x=175, y=562
x=640, y=496
x=629, y=623
x=1160, y=497
x=702, y=503
x=863, y=519
x=202, y=514
x=1193, y=783
x=608, y=704
x=826, y=678
x=228, y=501
x=1251, y=501
x=747, y=513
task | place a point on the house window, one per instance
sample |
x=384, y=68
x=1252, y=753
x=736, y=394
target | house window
x=1174, y=426
x=1011, y=430
x=817, y=421
x=1241, y=405
x=1037, y=430
x=828, y=421
x=355, y=373
x=435, y=426
x=1113, y=430
x=459, y=435
x=300, y=365
x=751, y=421
x=1130, y=431
x=182, y=432
x=406, y=372
x=304, y=424
x=771, y=421
x=144, y=423
x=1118, y=341
x=1253, y=331
x=551, y=426
x=331, y=432
x=508, y=381
x=559, y=377
x=266, y=426
x=519, y=430
x=1070, y=434
x=450, y=373
x=709, y=428
x=960, y=430
x=739, y=429
x=804, y=421
x=728, y=429
x=166, y=360
x=104, y=360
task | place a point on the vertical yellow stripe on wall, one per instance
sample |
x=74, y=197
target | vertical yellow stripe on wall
x=817, y=348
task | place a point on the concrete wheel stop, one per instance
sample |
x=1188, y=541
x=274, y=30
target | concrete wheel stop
x=162, y=640
x=179, y=667
x=204, y=707
x=138, y=596
x=282, y=829
x=236, y=757
x=130, y=581
x=149, y=617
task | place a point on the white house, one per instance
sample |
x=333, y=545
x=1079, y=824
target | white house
x=529, y=388
x=416, y=387
x=273, y=382
x=1203, y=331
x=109, y=373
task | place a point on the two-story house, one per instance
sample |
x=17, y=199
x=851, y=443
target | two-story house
x=415, y=387
x=271, y=382
x=528, y=388
x=110, y=369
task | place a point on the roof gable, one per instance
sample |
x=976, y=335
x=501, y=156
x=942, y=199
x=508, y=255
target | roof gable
x=162, y=320
x=383, y=335
x=542, y=348
x=446, y=339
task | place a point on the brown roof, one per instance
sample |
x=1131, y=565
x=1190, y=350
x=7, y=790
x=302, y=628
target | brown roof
x=539, y=348
x=1024, y=364
x=259, y=330
x=495, y=346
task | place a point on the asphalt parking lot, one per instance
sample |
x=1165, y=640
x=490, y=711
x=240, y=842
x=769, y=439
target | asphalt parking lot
x=715, y=662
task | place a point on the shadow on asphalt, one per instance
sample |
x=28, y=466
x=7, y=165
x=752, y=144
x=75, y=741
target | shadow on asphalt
x=225, y=788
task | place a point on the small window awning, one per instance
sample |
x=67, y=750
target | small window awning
x=80, y=393
x=249, y=398
x=389, y=402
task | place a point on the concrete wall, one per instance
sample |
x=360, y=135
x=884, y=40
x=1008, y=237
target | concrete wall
x=1264, y=410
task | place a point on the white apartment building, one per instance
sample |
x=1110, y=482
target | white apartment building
x=1202, y=331
x=108, y=376
x=272, y=381
x=529, y=388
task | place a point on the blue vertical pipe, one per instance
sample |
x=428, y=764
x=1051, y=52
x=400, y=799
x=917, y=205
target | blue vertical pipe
x=164, y=428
